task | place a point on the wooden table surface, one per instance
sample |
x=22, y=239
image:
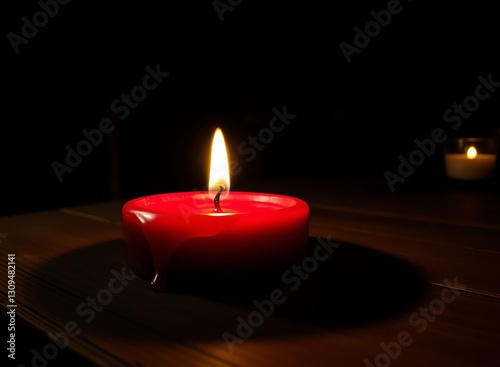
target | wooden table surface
x=415, y=281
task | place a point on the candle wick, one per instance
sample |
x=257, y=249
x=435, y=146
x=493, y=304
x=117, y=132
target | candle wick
x=217, y=199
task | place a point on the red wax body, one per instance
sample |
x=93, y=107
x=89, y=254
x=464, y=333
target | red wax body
x=180, y=232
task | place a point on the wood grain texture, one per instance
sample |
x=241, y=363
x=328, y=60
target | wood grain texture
x=393, y=263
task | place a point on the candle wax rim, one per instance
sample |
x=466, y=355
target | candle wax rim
x=200, y=201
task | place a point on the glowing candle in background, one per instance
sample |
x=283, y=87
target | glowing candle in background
x=470, y=158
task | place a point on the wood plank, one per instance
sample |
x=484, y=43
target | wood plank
x=362, y=296
x=439, y=248
x=442, y=234
x=413, y=200
x=107, y=211
x=53, y=278
x=142, y=327
x=457, y=337
x=439, y=253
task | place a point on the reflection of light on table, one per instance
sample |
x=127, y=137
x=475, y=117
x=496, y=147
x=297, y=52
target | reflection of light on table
x=470, y=165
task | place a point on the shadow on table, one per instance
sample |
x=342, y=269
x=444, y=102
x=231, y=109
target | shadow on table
x=351, y=287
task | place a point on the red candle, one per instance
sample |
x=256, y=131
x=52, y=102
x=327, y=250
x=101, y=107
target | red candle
x=216, y=231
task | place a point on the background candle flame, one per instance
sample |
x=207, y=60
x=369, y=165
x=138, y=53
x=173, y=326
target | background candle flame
x=219, y=166
x=471, y=152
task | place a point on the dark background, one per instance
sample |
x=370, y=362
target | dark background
x=353, y=120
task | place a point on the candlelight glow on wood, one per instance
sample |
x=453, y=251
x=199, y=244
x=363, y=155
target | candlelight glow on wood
x=212, y=232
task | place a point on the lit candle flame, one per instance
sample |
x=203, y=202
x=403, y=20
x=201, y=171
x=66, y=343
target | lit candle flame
x=471, y=152
x=219, y=166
